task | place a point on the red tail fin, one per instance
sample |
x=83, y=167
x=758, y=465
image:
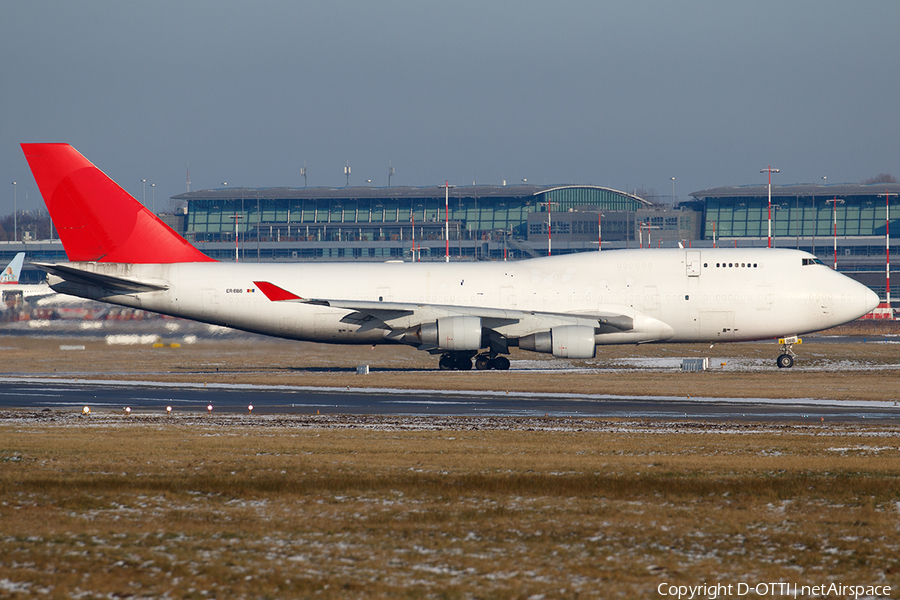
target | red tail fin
x=96, y=219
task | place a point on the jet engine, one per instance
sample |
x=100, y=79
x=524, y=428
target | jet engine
x=452, y=333
x=565, y=341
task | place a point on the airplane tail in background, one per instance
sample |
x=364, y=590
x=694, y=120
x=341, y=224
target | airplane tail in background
x=96, y=219
x=13, y=270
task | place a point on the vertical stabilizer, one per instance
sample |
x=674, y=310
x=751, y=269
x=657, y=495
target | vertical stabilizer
x=96, y=219
x=13, y=270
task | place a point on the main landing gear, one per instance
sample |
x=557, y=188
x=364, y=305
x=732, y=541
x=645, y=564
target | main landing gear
x=786, y=359
x=462, y=361
x=484, y=362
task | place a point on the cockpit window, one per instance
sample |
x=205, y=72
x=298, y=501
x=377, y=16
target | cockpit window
x=812, y=261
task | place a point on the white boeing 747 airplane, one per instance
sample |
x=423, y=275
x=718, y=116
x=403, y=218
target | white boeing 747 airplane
x=121, y=253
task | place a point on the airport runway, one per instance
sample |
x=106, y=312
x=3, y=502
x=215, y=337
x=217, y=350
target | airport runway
x=63, y=394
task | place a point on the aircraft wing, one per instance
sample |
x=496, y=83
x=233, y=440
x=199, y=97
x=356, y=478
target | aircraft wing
x=401, y=315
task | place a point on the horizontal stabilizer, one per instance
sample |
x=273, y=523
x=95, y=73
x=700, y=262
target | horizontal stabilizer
x=114, y=285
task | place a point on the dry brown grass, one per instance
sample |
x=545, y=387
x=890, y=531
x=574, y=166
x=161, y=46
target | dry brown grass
x=299, y=506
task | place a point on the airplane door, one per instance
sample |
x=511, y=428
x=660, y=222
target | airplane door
x=692, y=263
x=716, y=325
x=507, y=297
x=323, y=326
x=651, y=299
x=765, y=297
x=210, y=302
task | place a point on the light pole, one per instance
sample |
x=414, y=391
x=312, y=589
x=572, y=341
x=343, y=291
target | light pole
x=549, y=204
x=770, y=170
x=834, y=212
x=673, y=190
x=647, y=226
x=15, y=210
x=412, y=217
x=144, y=192
x=599, y=231
x=447, y=219
x=236, y=217
x=153, y=195
x=887, y=246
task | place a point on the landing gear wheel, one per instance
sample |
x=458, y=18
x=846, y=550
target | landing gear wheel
x=456, y=361
x=483, y=362
x=785, y=361
x=464, y=364
x=501, y=363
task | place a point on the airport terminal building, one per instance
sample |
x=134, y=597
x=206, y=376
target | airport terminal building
x=480, y=222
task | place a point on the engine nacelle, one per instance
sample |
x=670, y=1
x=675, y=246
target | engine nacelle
x=453, y=333
x=565, y=341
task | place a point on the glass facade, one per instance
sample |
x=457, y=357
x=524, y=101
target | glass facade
x=383, y=218
x=798, y=216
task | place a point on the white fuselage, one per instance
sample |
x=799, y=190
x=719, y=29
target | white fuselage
x=677, y=295
x=27, y=291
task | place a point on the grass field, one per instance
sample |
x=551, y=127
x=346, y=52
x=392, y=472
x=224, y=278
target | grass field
x=276, y=506
x=369, y=507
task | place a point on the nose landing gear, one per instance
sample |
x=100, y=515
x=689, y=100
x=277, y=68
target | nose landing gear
x=786, y=359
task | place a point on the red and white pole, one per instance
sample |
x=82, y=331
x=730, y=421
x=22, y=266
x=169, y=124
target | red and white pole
x=770, y=170
x=834, y=212
x=599, y=231
x=887, y=245
x=447, y=219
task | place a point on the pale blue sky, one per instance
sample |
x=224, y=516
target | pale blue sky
x=624, y=94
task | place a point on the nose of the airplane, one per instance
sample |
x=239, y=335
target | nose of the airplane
x=872, y=300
